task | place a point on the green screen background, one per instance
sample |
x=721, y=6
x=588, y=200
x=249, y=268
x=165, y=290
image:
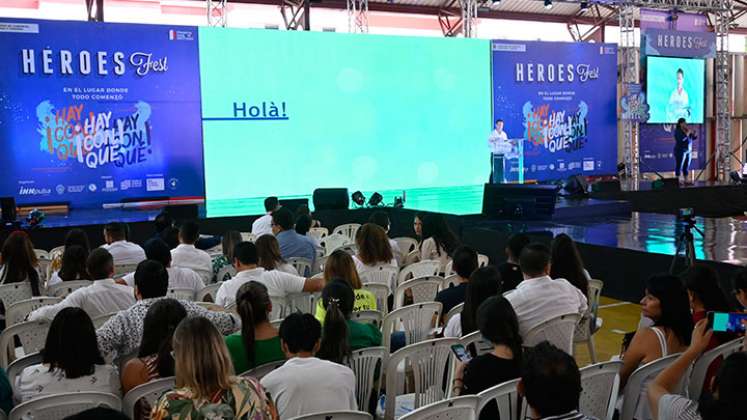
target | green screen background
x=371, y=113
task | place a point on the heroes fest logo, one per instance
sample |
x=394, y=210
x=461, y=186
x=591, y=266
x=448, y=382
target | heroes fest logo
x=74, y=131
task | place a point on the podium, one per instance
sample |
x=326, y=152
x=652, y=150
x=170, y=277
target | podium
x=507, y=165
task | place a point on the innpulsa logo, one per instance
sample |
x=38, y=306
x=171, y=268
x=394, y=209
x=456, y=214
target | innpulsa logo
x=34, y=191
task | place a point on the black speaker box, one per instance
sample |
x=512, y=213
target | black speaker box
x=519, y=201
x=8, y=209
x=610, y=186
x=331, y=199
x=666, y=184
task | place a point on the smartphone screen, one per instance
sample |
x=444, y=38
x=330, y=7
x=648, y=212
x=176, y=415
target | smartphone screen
x=727, y=321
x=461, y=353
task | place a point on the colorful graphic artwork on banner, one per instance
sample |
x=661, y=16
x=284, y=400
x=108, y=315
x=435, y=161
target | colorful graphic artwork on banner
x=560, y=98
x=96, y=113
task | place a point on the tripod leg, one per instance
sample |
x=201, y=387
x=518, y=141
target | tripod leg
x=680, y=244
x=690, y=250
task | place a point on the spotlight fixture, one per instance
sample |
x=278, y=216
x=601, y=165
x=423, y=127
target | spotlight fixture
x=548, y=4
x=495, y=3
x=375, y=200
x=358, y=198
x=584, y=5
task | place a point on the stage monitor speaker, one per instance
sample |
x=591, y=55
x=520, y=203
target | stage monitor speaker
x=576, y=186
x=666, y=184
x=331, y=199
x=293, y=204
x=610, y=186
x=519, y=201
x=8, y=209
x=182, y=212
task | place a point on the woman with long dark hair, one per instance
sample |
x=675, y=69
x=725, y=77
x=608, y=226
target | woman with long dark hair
x=19, y=261
x=484, y=283
x=666, y=303
x=257, y=343
x=73, y=265
x=438, y=240
x=228, y=243
x=340, y=266
x=566, y=263
x=341, y=335
x=268, y=253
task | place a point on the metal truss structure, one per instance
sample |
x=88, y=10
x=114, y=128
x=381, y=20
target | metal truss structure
x=217, y=13
x=295, y=14
x=459, y=17
x=629, y=74
x=95, y=10
x=357, y=16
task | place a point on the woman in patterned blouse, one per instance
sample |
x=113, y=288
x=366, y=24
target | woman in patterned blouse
x=228, y=243
x=206, y=387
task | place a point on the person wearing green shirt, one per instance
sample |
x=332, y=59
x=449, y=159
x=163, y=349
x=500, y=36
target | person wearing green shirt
x=258, y=342
x=340, y=266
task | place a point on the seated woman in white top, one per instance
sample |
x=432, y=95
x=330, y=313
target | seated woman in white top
x=667, y=304
x=73, y=266
x=71, y=361
x=483, y=283
x=438, y=240
x=374, y=249
x=268, y=253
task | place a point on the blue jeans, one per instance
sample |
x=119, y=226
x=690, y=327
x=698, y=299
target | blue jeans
x=682, y=158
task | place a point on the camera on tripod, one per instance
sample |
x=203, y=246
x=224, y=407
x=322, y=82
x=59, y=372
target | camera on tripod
x=686, y=216
x=685, y=240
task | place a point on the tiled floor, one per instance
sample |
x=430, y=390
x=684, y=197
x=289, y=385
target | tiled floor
x=619, y=318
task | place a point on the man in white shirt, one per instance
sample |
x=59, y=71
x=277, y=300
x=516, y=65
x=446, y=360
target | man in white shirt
x=263, y=225
x=179, y=278
x=499, y=145
x=278, y=283
x=539, y=298
x=306, y=384
x=186, y=255
x=123, y=251
x=102, y=297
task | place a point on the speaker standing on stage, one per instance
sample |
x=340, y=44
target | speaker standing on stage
x=499, y=147
x=683, y=148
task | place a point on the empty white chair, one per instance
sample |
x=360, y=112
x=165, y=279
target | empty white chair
x=482, y=260
x=13, y=292
x=457, y=408
x=428, y=361
x=381, y=291
x=365, y=363
x=120, y=269
x=381, y=273
x=149, y=391
x=600, y=384
x=31, y=334
x=368, y=317
x=348, y=230
x=449, y=269
x=183, y=293
x=62, y=289
x=318, y=233
x=453, y=311
x=18, y=311
x=18, y=365
x=208, y=291
x=302, y=265
x=415, y=320
x=59, y=406
x=507, y=398
x=225, y=273
x=419, y=269
x=558, y=331
x=334, y=241
x=101, y=319
x=423, y=289
x=590, y=323
x=406, y=244
x=303, y=302
x=260, y=371
x=700, y=369
x=636, y=380
x=335, y=415
x=450, y=281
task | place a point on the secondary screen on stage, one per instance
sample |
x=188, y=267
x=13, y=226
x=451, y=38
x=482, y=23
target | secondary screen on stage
x=675, y=89
x=287, y=112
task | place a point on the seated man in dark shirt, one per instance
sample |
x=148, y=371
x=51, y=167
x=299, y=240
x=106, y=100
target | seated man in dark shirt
x=464, y=263
x=510, y=271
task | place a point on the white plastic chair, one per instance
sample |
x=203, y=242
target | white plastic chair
x=303, y=302
x=364, y=364
x=423, y=289
x=453, y=311
x=381, y=291
x=31, y=334
x=149, y=391
x=248, y=237
x=449, y=269
x=206, y=291
x=335, y=415
x=419, y=269
x=476, y=345
x=182, y=293
x=101, y=319
x=590, y=323
x=18, y=311
x=457, y=408
x=482, y=260
x=415, y=320
x=278, y=307
x=506, y=397
x=368, y=317
x=636, y=380
x=18, y=365
x=450, y=281
x=41, y=254
x=348, y=230
x=334, y=241
x=225, y=273
x=124, y=268
x=56, y=252
x=700, y=369
x=14, y=292
x=382, y=274
x=302, y=265
x=428, y=361
x=406, y=244
x=600, y=384
x=44, y=269
x=62, y=289
x=59, y=406
x=260, y=371
x=558, y=331
x=318, y=233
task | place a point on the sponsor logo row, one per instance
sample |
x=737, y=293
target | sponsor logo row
x=27, y=188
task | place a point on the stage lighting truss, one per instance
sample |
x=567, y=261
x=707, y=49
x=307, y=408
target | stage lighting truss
x=217, y=13
x=357, y=16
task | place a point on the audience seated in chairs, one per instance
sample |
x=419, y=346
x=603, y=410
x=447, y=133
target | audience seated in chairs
x=306, y=384
x=206, y=386
x=179, y=277
x=484, y=283
x=439, y=242
x=727, y=392
x=381, y=219
x=291, y=243
x=268, y=255
x=258, y=342
x=120, y=335
x=278, y=283
x=498, y=324
x=73, y=236
x=263, y=225
x=18, y=262
x=186, y=255
x=566, y=263
x=417, y=226
x=510, y=270
x=73, y=266
x=464, y=264
x=303, y=225
x=666, y=303
x=102, y=297
x=340, y=334
x=374, y=249
x=71, y=361
x=551, y=384
x=154, y=360
x=539, y=298
x=340, y=267
x=122, y=250
x=229, y=241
